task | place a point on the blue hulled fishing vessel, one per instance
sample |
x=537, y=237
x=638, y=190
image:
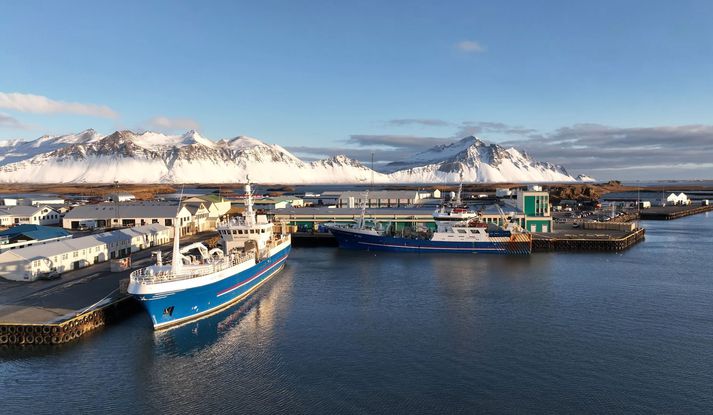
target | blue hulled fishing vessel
x=458, y=230
x=196, y=285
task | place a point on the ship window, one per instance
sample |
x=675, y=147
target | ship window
x=473, y=231
x=240, y=231
x=461, y=231
x=235, y=232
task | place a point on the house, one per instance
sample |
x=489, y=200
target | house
x=200, y=217
x=32, y=262
x=25, y=235
x=34, y=215
x=110, y=214
x=217, y=207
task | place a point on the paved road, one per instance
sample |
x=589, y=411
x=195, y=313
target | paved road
x=50, y=301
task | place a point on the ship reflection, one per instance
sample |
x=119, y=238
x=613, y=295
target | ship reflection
x=253, y=317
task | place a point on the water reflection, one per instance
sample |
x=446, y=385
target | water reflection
x=257, y=313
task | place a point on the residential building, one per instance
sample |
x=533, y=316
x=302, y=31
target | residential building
x=34, y=215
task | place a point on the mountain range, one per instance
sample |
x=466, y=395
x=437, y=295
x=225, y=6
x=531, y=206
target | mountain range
x=150, y=157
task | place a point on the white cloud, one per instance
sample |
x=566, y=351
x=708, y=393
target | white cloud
x=39, y=104
x=470, y=46
x=171, y=124
x=6, y=121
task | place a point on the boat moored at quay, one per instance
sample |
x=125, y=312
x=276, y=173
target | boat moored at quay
x=458, y=230
x=196, y=285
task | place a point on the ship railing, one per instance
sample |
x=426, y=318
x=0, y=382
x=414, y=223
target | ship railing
x=149, y=276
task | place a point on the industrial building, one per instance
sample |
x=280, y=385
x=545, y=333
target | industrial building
x=378, y=198
x=120, y=197
x=25, y=235
x=32, y=201
x=271, y=203
x=33, y=215
x=531, y=209
x=32, y=262
x=111, y=214
x=535, y=206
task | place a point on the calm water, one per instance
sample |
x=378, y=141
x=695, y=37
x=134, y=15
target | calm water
x=349, y=332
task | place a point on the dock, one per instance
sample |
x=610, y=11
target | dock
x=61, y=311
x=673, y=212
x=587, y=240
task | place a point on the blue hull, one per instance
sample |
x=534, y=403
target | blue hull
x=167, y=309
x=350, y=240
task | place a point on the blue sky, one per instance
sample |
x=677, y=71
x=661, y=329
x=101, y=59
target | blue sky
x=322, y=77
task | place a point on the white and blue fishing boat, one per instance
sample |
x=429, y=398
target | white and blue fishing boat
x=200, y=284
x=458, y=230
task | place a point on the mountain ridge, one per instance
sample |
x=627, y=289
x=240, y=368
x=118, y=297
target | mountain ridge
x=151, y=157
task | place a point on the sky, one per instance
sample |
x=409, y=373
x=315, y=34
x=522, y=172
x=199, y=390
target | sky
x=613, y=89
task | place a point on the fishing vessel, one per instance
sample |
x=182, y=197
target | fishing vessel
x=199, y=281
x=458, y=229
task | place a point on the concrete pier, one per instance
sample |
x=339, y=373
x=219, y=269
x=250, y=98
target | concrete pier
x=673, y=212
x=586, y=240
x=63, y=310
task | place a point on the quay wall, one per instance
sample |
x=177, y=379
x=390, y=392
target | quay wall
x=38, y=334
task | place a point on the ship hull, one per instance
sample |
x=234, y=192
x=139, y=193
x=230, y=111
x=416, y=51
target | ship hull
x=175, y=307
x=518, y=244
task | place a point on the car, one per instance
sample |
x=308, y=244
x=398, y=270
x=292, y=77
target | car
x=50, y=275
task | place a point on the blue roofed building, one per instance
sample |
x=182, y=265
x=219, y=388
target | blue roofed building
x=25, y=235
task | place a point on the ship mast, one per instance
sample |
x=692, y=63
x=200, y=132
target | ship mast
x=176, y=262
x=460, y=190
x=249, y=214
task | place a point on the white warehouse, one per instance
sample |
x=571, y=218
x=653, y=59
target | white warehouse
x=128, y=214
x=27, y=264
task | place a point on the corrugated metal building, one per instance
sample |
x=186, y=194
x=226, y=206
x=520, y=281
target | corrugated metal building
x=128, y=214
x=25, y=235
x=29, y=263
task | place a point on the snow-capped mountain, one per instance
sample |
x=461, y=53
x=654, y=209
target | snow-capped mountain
x=17, y=150
x=585, y=178
x=150, y=157
x=473, y=160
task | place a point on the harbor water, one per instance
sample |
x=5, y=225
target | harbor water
x=365, y=332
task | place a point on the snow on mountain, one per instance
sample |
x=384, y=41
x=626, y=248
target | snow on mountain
x=342, y=169
x=17, y=150
x=474, y=160
x=151, y=157
x=585, y=178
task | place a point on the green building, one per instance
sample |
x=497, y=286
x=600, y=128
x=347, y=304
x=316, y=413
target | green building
x=535, y=206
